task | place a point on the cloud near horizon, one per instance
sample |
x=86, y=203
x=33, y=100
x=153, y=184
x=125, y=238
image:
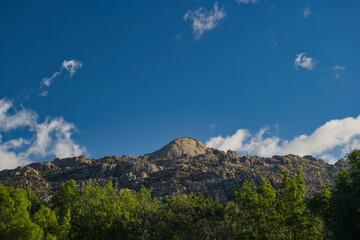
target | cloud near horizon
x=305, y=62
x=70, y=65
x=204, y=20
x=338, y=133
x=53, y=137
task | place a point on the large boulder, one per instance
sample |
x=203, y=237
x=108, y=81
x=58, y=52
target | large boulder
x=180, y=147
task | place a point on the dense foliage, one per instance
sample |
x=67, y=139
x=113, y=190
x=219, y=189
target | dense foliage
x=256, y=212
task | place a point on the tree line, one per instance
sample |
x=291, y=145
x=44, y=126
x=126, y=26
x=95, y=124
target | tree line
x=255, y=212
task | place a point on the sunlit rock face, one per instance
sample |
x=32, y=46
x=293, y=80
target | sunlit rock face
x=180, y=147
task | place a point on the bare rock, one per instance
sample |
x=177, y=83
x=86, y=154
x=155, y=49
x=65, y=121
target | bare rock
x=179, y=147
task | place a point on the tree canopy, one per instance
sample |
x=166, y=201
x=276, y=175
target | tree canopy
x=256, y=212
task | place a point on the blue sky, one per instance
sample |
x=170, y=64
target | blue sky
x=126, y=77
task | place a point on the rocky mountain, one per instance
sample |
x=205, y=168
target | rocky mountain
x=184, y=165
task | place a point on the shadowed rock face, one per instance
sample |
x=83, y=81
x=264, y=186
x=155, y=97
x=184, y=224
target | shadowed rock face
x=180, y=147
x=184, y=165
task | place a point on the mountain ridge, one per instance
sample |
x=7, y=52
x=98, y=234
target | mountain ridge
x=184, y=165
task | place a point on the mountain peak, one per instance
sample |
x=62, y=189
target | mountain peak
x=179, y=147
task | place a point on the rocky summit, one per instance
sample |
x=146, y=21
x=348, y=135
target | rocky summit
x=183, y=166
x=180, y=147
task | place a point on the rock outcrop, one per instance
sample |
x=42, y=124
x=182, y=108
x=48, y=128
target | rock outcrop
x=180, y=147
x=184, y=165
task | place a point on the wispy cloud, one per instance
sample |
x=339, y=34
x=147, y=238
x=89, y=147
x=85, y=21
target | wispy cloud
x=338, y=69
x=204, y=20
x=48, y=81
x=270, y=6
x=273, y=39
x=307, y=12
x=338, y=133
x=53, y=137
x=246, y=1
x=69, y=65
x=305, y=62
x=44, y=93
x=178, y=36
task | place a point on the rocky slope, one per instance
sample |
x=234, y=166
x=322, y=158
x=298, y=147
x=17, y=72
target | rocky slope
x=184, y=165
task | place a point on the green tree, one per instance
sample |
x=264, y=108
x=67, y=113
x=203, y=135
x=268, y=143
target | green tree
x=269, y=214
x=345, y=201
x=66, y=202
x=15, y=221
x=257, y=210
x=320, y=205
x=47, y=220
x=104, y=213
x=297, y=220
x=191, y=217
x=98, y=211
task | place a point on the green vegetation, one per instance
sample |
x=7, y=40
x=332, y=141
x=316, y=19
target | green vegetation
x=256, y=212
x=339, y=206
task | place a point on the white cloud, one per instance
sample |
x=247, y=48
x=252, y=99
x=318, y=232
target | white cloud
x=48, y=81
x=338, y=69
x=21, y=118
x=71, y=66
x=303, y=61
x=307, y=12
x=53, y=137
x=246, y=1
x=339, y=133
x=10, y=159
x=204, y=20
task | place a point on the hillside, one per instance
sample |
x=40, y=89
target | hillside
x=184, y=165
